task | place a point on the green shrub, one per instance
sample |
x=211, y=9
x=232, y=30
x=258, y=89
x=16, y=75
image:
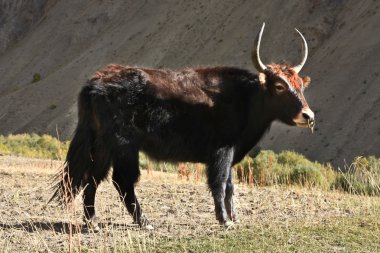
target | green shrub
x=292, y=159
x=34, y=146
x=36, y=77
x=307, y=176
x=362, y=177
x=4, y=150
x=287, y=168
x=262, y=170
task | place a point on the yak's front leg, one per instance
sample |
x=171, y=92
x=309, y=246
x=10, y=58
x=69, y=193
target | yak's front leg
x=229, y=198
x=218, y=172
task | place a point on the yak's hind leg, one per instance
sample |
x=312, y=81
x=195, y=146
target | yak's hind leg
x=101, y=162
x=218, y=172
x=125, y=175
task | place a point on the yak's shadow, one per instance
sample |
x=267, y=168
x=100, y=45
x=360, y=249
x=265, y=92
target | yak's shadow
x=58, y=227
x=62, y=227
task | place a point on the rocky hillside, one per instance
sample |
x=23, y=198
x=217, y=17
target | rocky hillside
x=48, y=48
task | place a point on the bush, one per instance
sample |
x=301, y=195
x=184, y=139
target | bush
x=362, y=177
x=36, y=77
x=262, y=170
x=287, y=168
x=33, y=145
x=307, y=176
x=292, y=159
x=291, y=168
x=4, y=150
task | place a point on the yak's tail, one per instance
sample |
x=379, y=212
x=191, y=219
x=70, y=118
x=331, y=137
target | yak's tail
x=78, y=159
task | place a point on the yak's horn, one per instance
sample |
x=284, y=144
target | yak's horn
x=305, y=53
x=259, y=65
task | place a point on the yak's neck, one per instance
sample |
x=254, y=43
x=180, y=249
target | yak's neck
x=258, y=123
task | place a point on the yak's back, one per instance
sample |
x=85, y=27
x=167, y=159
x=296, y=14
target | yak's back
x=193, y=86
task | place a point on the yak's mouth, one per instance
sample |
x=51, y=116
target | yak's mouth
x=304, y=122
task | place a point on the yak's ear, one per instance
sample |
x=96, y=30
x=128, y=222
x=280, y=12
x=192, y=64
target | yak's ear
x=262, y=79
x=306, y=81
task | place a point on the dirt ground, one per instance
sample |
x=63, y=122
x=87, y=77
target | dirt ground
x=176, y=207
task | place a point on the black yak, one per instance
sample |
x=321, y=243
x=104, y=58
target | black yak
x=211, y=115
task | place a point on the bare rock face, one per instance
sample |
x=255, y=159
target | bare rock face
x=17, y=17
x=62, y=42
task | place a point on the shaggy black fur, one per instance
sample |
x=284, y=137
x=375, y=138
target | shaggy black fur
x=209, y=115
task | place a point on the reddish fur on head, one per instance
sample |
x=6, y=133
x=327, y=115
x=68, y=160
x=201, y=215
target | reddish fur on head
x=286, y=71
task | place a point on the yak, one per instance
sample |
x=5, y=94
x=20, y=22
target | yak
x=211, y=115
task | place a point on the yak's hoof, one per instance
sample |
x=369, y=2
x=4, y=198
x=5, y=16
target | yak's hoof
x=234, y=218
x=228, y=224
x=148, y=227
x=144, y=223
x=95, y=228
x=93, y=224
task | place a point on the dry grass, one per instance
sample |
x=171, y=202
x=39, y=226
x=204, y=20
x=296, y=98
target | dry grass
x=273, y=219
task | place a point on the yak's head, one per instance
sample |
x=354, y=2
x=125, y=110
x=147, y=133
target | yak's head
x=285, y=88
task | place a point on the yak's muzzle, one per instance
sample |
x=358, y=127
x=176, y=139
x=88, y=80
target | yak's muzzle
x=305, y=119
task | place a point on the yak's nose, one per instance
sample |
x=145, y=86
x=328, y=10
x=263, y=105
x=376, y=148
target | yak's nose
x=308, y=114
x=305, y=119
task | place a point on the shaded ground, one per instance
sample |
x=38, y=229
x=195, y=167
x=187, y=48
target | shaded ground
x=180, y=211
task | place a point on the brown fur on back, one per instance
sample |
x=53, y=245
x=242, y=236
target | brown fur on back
x=111, y=73
x=195, y=86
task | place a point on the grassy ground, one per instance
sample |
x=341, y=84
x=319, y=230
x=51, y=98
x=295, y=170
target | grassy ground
x=351, y=234
x=272, y=219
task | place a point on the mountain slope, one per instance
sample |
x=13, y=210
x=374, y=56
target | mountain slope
x=66, y=41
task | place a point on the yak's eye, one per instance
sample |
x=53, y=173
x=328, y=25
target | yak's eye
x=280, y=87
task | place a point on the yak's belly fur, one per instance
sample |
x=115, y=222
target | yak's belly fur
x=172, y=132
